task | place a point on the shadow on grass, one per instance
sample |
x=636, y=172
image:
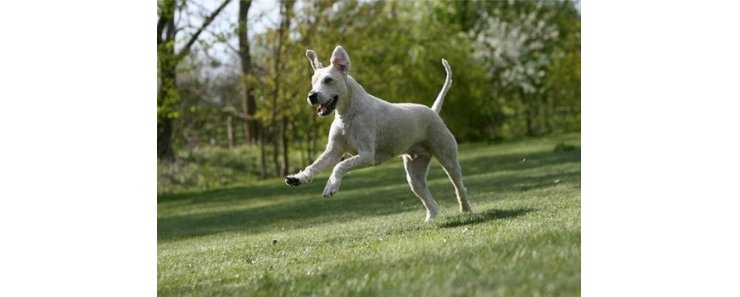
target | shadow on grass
x=303, y=211
x=225, y=194
x=493, y=163
x=379, y=191
x=489, y=215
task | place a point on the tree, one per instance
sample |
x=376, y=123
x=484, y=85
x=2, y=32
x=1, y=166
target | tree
x=249, y=105
x=167, y=60
x=530, y=50
x=286, y=10
x=515, y=65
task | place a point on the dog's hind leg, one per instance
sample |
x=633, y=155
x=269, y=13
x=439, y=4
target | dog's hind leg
x=445, y=150
x=452, y=168
x=416, y=175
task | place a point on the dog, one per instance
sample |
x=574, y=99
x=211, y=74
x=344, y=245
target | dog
x=373, y=131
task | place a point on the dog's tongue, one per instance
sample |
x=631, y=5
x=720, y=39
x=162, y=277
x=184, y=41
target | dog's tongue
x=321, y=109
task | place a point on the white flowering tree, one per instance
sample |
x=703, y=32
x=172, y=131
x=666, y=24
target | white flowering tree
x=516, y=48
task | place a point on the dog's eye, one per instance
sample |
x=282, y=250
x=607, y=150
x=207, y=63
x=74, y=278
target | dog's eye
x=328, y=80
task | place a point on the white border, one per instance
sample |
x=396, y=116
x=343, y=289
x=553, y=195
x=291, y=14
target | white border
x=78, y=187
x=660, y=148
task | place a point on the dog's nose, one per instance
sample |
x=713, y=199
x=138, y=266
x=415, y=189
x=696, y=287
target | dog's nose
x=313, y=97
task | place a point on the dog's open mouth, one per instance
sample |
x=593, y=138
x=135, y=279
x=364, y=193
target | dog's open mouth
x=327, y=108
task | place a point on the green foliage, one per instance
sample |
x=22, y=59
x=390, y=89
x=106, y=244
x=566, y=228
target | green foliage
x=266, y=239
x=207, y=167
x=508, y=60
x=516, y=69
x=526, y=47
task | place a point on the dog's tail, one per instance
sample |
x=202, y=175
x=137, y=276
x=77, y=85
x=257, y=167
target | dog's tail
x=437, y=106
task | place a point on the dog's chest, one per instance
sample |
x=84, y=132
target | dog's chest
x=356, y=137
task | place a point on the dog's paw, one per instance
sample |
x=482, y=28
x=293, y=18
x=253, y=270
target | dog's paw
x=292, y=181
x=330, y=189
x=328, y=193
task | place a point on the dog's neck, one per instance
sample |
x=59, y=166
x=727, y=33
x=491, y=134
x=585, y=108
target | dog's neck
x=355, y=100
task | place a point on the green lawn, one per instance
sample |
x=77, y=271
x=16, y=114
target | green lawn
x=266, y=239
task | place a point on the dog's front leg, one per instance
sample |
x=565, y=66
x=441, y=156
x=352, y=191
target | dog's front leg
x=329, y=157
x=363, y=159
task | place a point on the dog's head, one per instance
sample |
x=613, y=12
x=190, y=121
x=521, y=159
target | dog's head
x=329, y=84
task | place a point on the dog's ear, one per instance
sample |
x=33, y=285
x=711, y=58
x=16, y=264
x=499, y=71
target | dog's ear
x=340, y=59
x=315, y=64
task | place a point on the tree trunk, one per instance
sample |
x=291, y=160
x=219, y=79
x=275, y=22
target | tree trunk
x=286, y=161
x=275, y=149
x=230, y=132
x=285, y=11
x=300, y=145
x=167, y=60
x=166, y=94
x=166, y=89
x=249, y=105
x=263, y=157
x=249, y=108
x=164, y=140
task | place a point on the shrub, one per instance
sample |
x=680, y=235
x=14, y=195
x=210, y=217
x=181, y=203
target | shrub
x=208, y=167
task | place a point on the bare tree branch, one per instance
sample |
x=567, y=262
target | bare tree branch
x=207, y=21
x=232, y=111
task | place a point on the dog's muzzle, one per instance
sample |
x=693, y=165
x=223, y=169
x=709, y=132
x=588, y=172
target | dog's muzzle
x=326, y=108
x=313, y=97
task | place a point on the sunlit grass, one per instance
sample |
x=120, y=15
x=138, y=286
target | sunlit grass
x=266, y=239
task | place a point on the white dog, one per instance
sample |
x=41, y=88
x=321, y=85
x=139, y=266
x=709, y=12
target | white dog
x=373, y=131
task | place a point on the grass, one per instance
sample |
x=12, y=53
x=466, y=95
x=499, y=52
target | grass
x=267, y=239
